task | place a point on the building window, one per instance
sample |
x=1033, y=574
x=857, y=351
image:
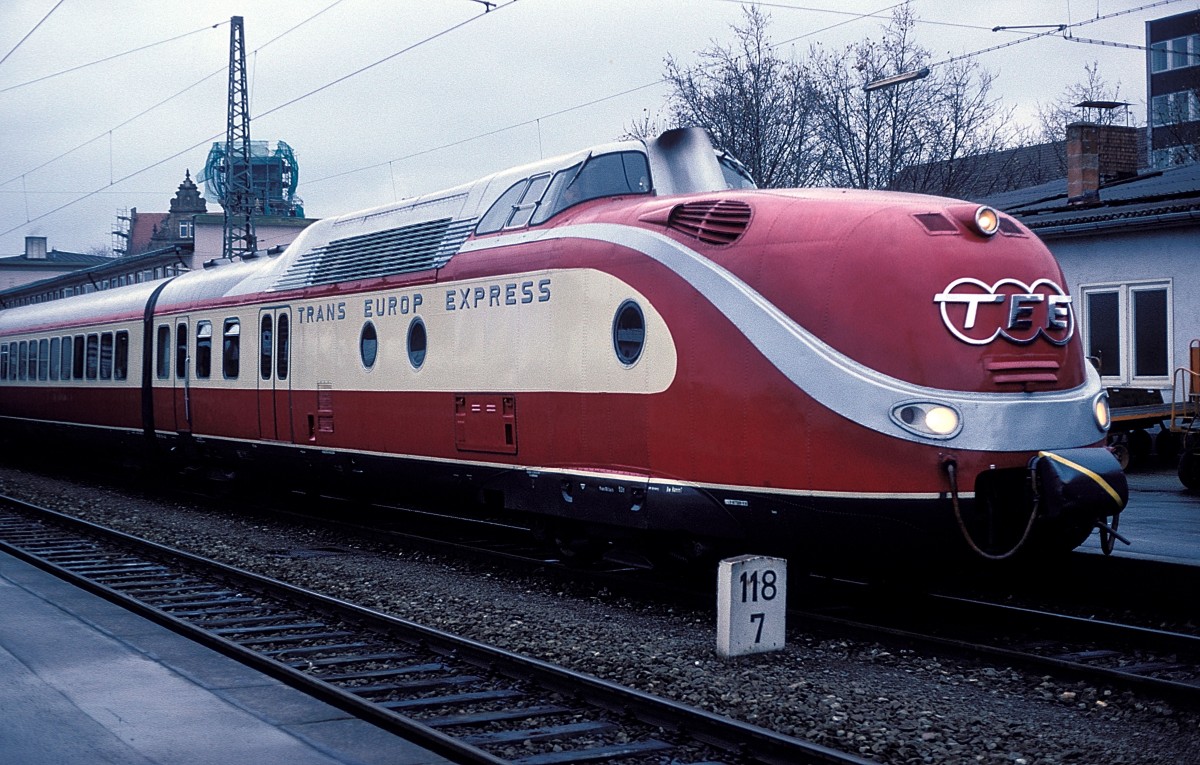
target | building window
x=185, y=229
x=1128, y=331
x=1176, y=53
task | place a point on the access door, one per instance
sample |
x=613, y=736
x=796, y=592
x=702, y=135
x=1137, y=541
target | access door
x=274, y=373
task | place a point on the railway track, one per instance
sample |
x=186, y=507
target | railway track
x=1157, y=662
x=1028, y=617
x=470, y=702
x=1066, y=619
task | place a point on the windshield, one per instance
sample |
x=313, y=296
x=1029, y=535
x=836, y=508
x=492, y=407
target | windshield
x=607, y=175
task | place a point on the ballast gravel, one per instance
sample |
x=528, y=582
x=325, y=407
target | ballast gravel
x=881, y=702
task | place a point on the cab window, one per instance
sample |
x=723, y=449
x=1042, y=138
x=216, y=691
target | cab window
x=607, y=175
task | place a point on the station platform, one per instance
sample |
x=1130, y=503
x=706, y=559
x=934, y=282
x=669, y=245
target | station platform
x=84, y=681
x=1162, y=519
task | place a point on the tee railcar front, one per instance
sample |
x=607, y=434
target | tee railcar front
x=628, y=341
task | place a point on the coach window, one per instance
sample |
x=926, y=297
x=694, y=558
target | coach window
x=162, y=362
x=23, y=361
x=368, y=345
x=4, y=361
x=106, y=356
x=55, y=357
x=418, y=342
x=43, y=359
x=203, y=349
x=181, y=351
x=264, y=346
x=32, y=363
x=121, y=356
x=77, y=360
x=281, y=361
x=92, y=363
x=231, y=349
x=65, y=363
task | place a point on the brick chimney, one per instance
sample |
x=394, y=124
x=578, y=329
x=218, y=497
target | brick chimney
x=1098, y=154
x=35, y=248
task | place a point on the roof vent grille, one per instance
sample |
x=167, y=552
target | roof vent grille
x=717, y=221
x=416, y=247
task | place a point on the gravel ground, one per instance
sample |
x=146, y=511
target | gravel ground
x=892, y=705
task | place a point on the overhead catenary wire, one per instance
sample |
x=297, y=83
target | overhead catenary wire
x=106, y=59
x=31, y=31
x=169, y=98
x=272, y=110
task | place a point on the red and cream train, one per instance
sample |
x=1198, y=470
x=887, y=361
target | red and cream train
x=628, y=342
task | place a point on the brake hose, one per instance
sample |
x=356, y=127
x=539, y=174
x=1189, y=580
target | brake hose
x=952, y=473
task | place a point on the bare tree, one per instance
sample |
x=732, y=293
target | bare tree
x=925, y=135
x=755, y=104
x=1054, y=117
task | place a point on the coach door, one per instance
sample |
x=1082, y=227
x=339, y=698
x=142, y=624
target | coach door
x=182, y=386
x=274, y=373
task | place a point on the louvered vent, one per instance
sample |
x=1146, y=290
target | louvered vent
x=719, y=221
x=936, y=223
x=400, y=250
x=1023, y=371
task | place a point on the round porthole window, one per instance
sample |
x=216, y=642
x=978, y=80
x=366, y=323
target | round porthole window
x=368, y=345
x=416, y=342
x=629, y=332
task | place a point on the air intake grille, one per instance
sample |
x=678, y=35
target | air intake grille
x=713, y=222
x=400, y=250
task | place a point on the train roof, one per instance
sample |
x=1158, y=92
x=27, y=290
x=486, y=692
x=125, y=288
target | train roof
x=415, y=234
x=120, y=303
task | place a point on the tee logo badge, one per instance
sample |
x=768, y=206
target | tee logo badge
x=977, y=312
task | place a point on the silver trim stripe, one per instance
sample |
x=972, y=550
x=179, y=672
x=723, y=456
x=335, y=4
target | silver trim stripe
x=995, y=422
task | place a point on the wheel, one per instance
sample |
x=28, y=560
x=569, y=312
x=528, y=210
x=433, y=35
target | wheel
x=1140, y=444
x=1189, y=470
x=1167, y=444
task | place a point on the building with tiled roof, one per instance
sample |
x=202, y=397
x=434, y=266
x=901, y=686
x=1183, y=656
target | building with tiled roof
x=160, y=230
x=38, y=263
x=1128, y=248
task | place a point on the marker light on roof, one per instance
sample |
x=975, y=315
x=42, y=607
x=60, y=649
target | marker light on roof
x=987, y=220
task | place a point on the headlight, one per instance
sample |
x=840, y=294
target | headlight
x=1101, y=411
x=928, y=419
x=987, y=221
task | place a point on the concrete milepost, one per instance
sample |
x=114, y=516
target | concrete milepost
x=751, y=605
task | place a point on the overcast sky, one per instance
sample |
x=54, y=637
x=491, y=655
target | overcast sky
x=464, y=92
